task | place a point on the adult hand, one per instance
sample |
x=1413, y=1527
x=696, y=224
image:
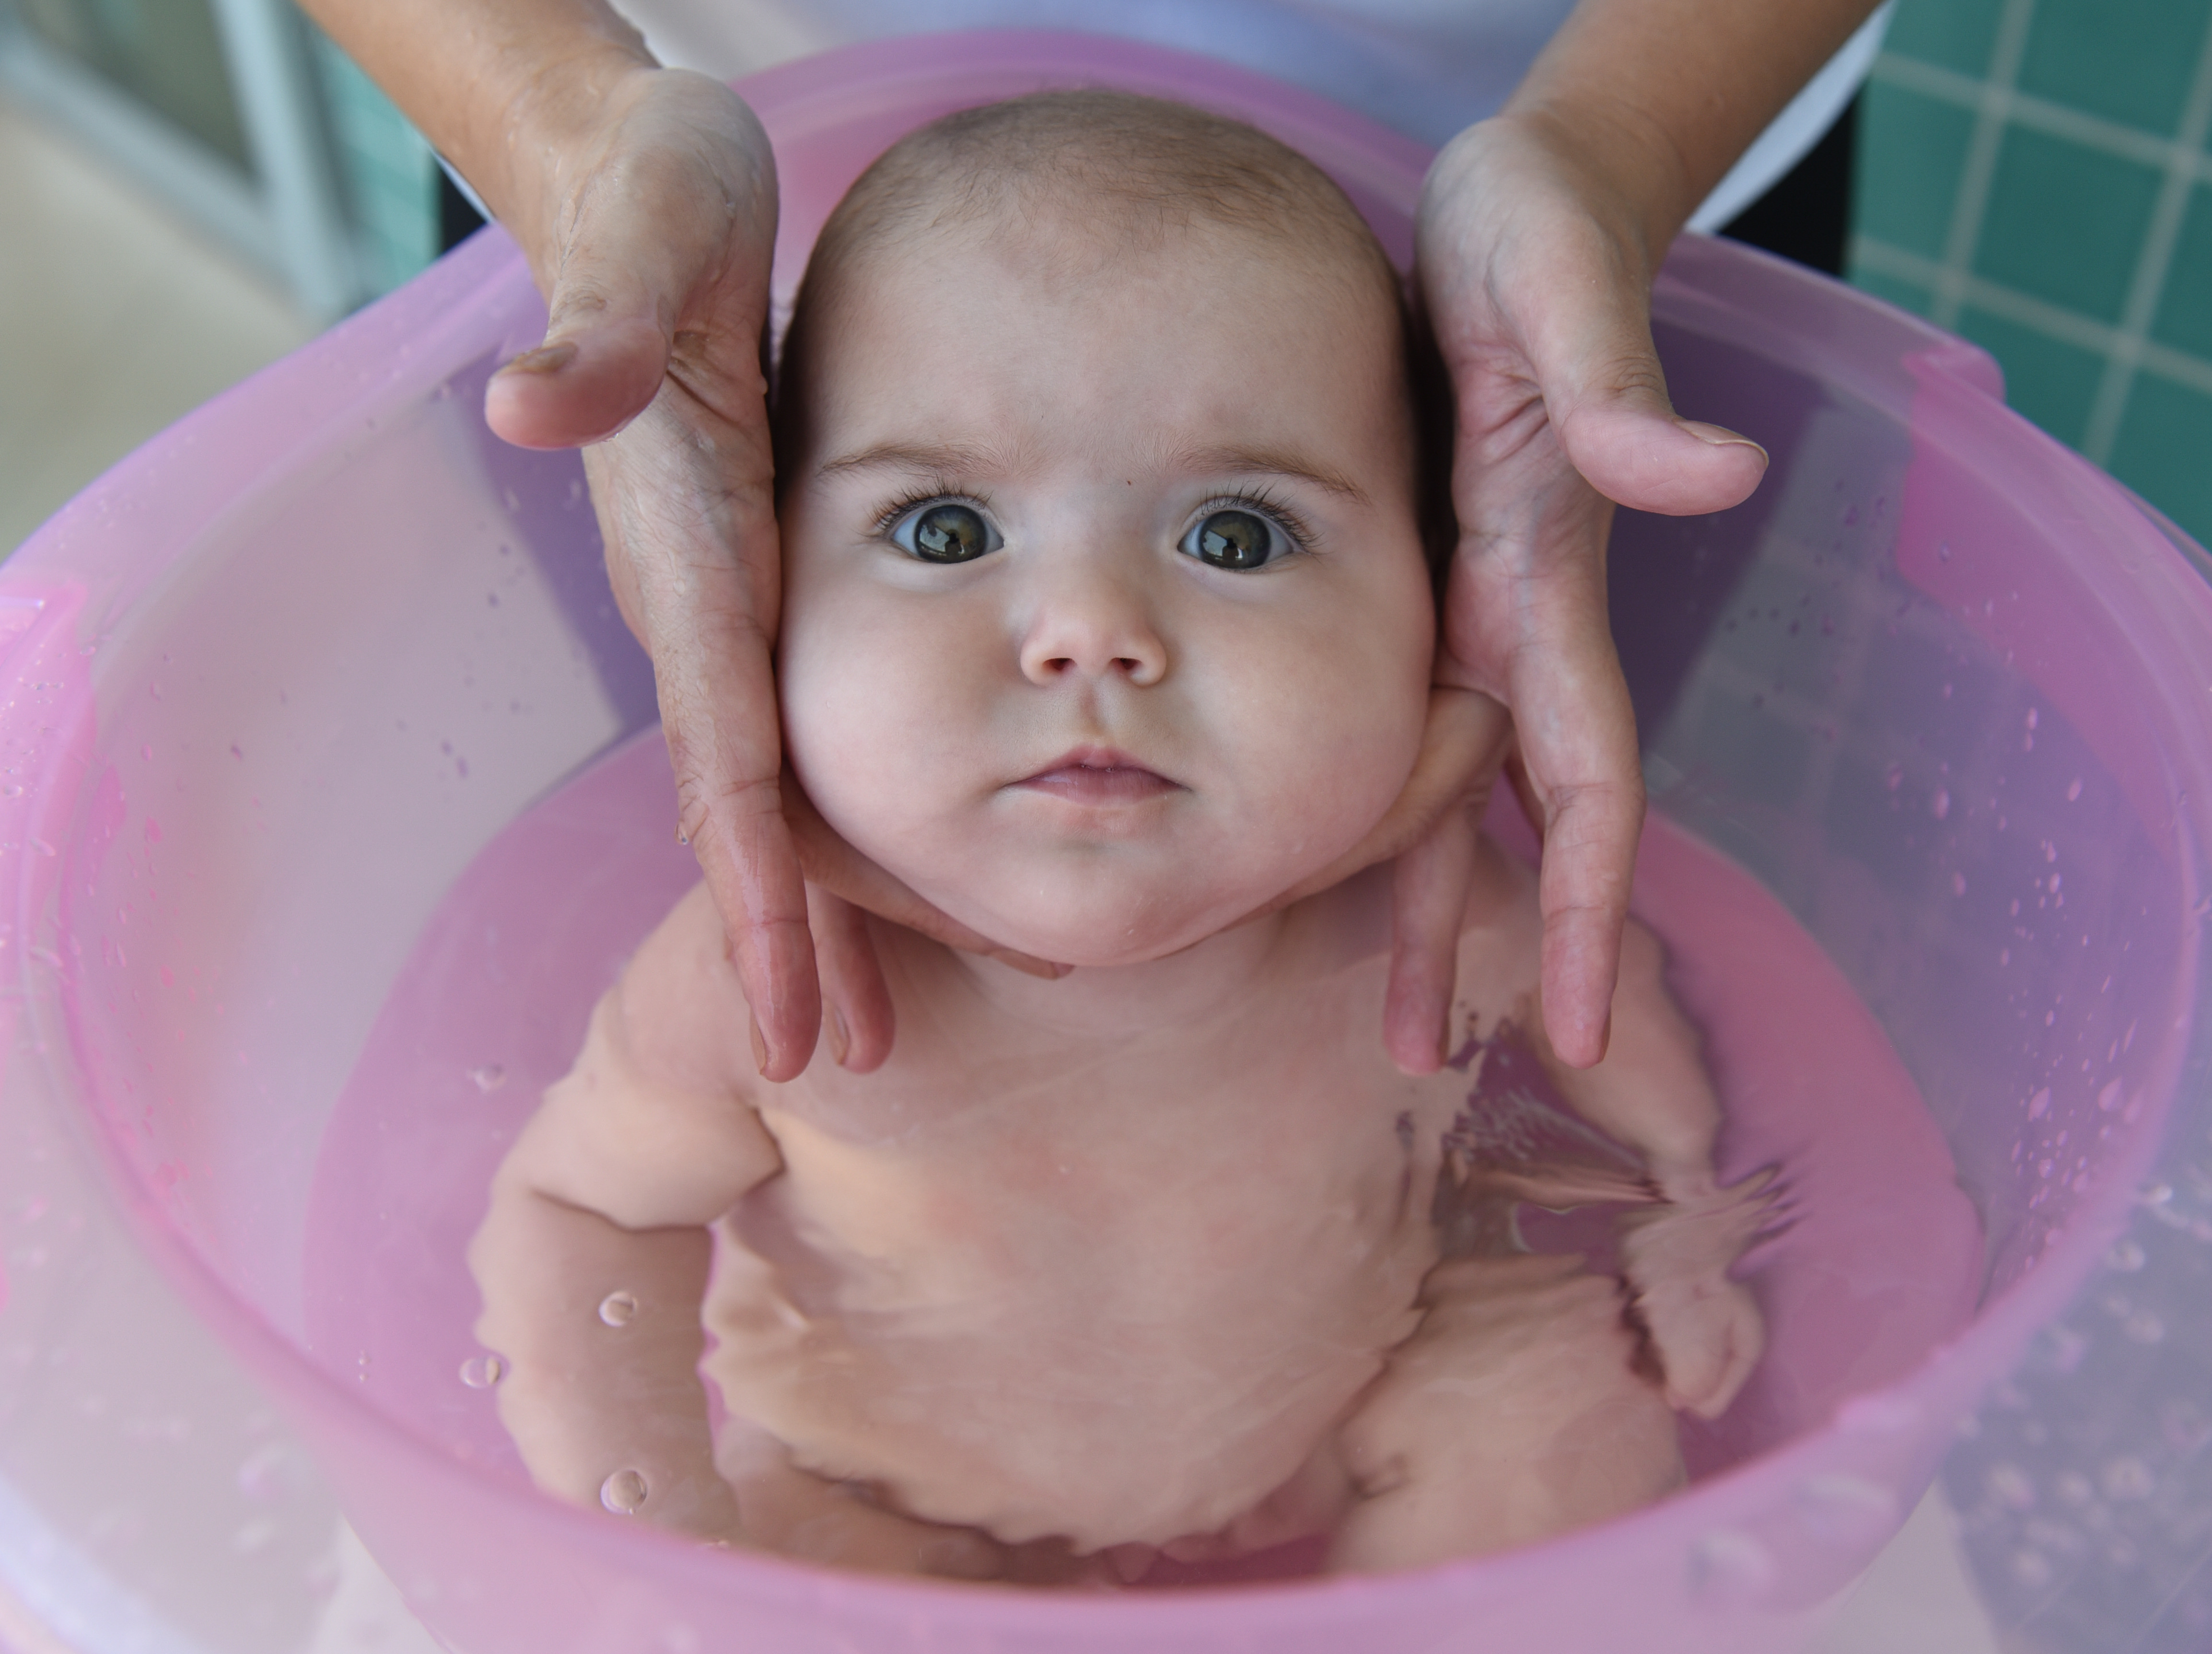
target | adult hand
x=651, y=232
x=1535, y=252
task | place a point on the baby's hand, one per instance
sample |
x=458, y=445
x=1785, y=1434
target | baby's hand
x=1705, y=1328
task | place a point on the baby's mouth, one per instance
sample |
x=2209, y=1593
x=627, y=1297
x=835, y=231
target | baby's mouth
x=1099, y=776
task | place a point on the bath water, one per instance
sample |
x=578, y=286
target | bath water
x=1878, y=1260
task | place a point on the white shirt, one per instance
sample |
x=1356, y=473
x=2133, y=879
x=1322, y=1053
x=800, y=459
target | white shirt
x=1426, y=68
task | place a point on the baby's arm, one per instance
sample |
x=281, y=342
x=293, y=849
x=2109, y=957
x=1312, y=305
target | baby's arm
x=607, y=1192
x=1515, y=1411
x=1651, y=1093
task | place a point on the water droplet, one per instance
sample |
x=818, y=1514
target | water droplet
x=2072, y=1488
x=253, y=1536
x=1893, y=777
x=1958, y=883
x=2010, y=1485
x=618, y=1309
x=2032, y=1569
x=2109, y=1099
x=1847, y=1509
x=2033, y=718
x=2074, y=792
x=1939, y=805
x=1943, y=551
x=2156, y=1194
x=623, y=1493
x=483, y=1372
x=2144, y=1328
x=1729, y=1568
x=2125, y=1257
x=272, y=1472
x=489, y=1077
x=2127, y=1477
x=2063, y=1348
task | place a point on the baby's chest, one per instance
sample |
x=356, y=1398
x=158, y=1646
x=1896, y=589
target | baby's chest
x=1123, y=1187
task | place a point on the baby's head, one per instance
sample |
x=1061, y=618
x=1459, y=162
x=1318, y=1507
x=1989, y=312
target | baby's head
x=1107, y=616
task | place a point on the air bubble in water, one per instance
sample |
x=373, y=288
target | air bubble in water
x=618, y=1309
x=1729, y=1568
x=2125, y=1257
x=489, y=1077
x=483, y=1372
x=2010, y=1485
x=2032, y=1569
x=2127, y=1477
x=623, y=1493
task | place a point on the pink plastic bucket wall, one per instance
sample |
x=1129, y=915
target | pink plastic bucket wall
x=272, y=684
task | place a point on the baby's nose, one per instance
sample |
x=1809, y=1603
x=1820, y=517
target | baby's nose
x=1093, y=622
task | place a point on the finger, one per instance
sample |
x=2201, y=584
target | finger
x=857, y=1018
x=1604, y=391
x=834, y=865
x=683, y=502
x=1578, y=754
x=662, y=252
x=591, y=377
x=1428, y=904
x=1540, y=636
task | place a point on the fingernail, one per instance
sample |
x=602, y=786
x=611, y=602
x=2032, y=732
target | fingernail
x=681, y=837
x=760, y=1046
x=833, y=1022
x=546, y=359
x=1720, y=436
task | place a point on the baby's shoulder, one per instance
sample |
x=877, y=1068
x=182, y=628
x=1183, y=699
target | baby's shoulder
x=682, y=1007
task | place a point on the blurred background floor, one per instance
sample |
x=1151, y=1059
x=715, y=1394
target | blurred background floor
x=116, y=319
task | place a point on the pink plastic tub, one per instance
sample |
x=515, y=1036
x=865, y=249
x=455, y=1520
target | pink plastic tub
x=272, y=687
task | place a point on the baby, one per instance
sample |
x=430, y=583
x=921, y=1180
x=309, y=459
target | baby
x=1108, y=623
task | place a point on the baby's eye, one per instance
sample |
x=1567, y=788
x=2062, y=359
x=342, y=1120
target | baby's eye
x=1235, y=539
x=944, y=531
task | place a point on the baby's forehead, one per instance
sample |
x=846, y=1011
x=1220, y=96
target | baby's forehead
x=1091, y=176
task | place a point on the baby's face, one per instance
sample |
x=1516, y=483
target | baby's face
x=1106, y=619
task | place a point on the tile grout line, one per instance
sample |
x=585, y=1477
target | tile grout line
x=1971, y=201
x=2037, y=315
x=2153, y=264
x=2039, y=114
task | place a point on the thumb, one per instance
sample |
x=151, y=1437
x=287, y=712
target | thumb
x=1606, y=394
x=604, y=353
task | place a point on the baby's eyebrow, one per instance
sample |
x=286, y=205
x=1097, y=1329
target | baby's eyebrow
x=933, y=459
x=1274, y=462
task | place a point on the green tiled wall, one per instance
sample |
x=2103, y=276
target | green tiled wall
x=2033, y=174
x=384, y=167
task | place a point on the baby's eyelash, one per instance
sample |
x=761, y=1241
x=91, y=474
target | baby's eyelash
x=940, y=491
x=1267, y=503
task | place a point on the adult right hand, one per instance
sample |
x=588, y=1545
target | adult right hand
x=651, y=228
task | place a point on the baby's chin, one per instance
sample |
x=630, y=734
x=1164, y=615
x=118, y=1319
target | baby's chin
x=1099, y=929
